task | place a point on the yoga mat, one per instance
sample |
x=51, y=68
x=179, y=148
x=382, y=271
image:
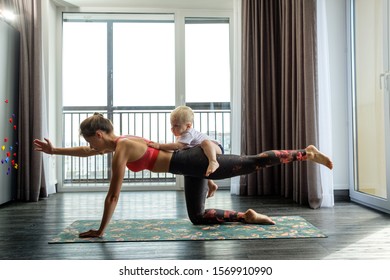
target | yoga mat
x=183, y=229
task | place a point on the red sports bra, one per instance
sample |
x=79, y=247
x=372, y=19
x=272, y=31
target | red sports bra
x=147, y=161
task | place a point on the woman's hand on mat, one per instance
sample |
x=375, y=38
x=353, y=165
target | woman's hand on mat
x=91, y=233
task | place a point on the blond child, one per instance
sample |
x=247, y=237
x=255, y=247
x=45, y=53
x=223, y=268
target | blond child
x=182, y=119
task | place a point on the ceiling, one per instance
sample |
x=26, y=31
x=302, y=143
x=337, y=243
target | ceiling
x=178, y=4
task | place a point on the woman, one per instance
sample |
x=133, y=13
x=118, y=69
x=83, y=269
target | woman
x=134, y=153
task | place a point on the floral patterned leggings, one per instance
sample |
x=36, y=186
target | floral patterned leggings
x=192, y=163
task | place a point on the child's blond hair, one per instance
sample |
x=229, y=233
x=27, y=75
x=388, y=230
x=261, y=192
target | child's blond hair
x=183, y=114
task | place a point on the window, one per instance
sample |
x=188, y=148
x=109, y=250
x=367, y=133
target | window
x=118, y=60
x=126, y=67
x=207, y=75
x=84, y=64
x=144, y=63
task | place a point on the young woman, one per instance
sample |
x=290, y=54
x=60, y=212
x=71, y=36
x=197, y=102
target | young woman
x=134, y=153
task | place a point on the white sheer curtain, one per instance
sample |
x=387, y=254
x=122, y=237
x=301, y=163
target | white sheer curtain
x=47, y=178
x=236, y=99
x=324, y=97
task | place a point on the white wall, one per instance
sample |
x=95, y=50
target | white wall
x=337, y=32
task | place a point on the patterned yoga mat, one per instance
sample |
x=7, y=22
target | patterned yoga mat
x=183, y=229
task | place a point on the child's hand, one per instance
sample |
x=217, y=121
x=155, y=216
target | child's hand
x=154, y=145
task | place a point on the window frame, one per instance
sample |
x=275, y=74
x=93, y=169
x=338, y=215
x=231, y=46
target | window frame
x=179, y=19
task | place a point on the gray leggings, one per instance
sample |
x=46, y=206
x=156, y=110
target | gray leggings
x=192, y=163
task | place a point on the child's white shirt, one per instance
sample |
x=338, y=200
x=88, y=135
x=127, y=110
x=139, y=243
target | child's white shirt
x=192, y=138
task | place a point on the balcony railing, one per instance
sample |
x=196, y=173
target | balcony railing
x=150, y=123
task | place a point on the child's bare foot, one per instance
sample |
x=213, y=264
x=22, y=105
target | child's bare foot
x=213, y=165
x=252, y=217
x=212, y=188
x=315, y=155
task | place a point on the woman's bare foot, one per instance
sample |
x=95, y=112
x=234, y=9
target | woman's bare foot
x=213, y=165
x=315, y=155
x=212, y=188
x=252, y=217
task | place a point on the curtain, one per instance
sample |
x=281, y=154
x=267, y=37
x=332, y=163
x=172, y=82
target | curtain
x=32, y=119
x=279, y=95
x=236, y=88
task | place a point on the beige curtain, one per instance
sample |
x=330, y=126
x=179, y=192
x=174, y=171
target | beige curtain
x=279, y=94
x=31, y=177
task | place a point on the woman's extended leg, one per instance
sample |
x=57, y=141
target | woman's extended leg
x=193, y=162
x=248, y=164
x=195, y=190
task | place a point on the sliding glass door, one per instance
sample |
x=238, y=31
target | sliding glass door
x=370, y=102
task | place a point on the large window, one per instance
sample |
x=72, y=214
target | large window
x=127, y=67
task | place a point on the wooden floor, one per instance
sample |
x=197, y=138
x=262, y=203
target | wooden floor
x=354, y=231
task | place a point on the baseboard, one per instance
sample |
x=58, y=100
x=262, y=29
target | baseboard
x=341, y=195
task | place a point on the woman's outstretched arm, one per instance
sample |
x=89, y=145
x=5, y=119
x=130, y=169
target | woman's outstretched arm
x=47, y=147
x=122, y=153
